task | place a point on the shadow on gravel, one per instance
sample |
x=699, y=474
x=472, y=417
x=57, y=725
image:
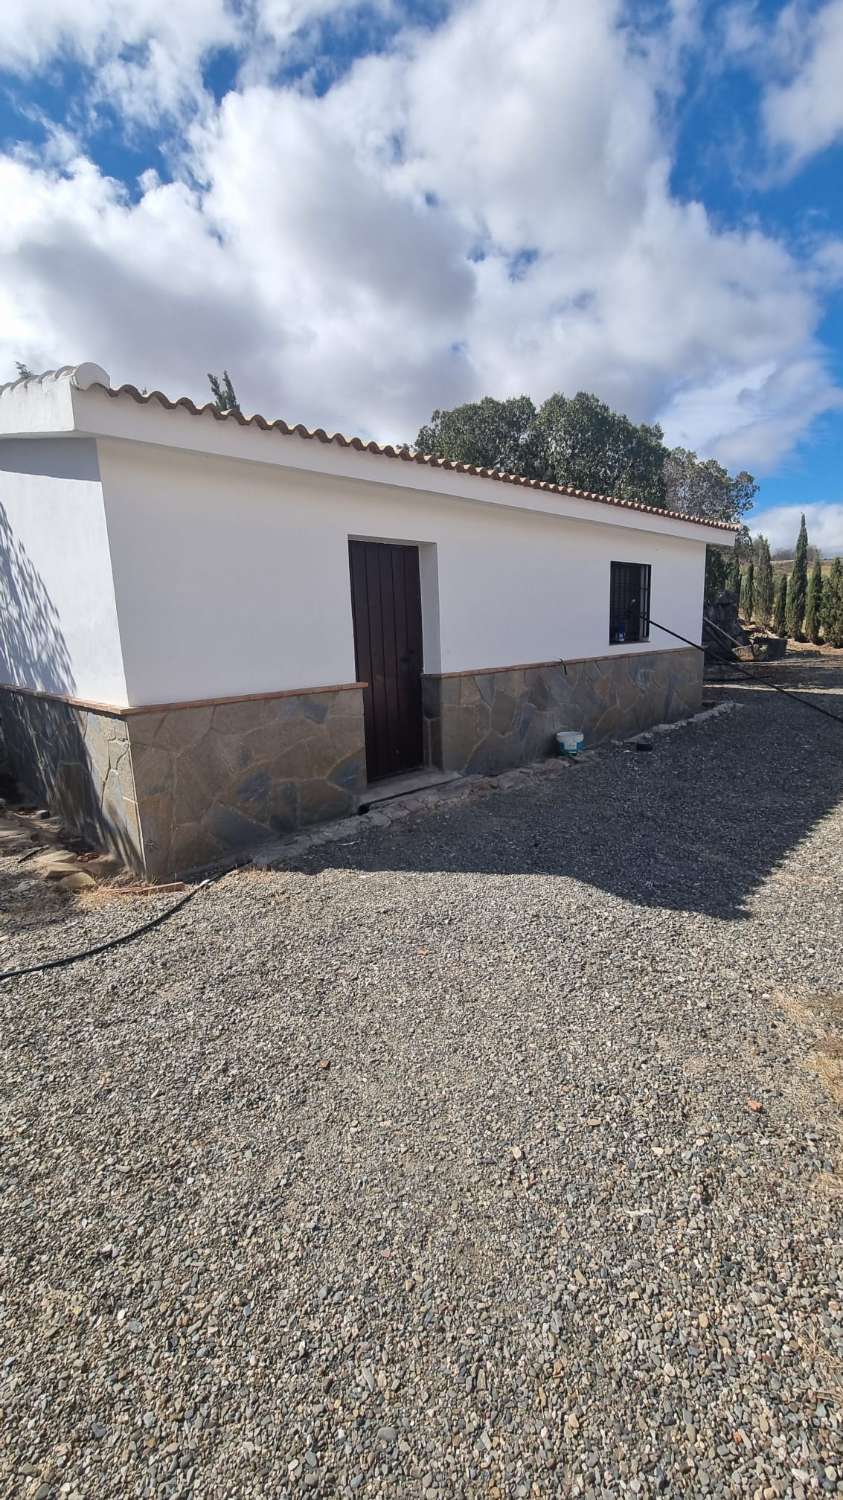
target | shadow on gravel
x=696, y=825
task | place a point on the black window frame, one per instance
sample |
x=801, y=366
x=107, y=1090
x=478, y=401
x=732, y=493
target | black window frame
x=629, y=603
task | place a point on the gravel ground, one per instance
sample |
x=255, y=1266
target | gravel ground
x=433, y=1165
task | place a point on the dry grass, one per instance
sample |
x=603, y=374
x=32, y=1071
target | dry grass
x=785, y=565
x=822, y=1014
x=826, y=1364
x=828, y=1063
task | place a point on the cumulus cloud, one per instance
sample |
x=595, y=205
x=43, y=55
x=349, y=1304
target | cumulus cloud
x=764, y=409
x=146, y=54
x=482, y=207
x=803, y=111
x=824, y=520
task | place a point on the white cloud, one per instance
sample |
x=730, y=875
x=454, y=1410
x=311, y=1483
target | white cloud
x=764, y=410
x=803, y=111
x=146, y=54
x=357, y=258
x=824, y=520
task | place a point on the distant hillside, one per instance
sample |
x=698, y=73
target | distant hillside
x=785, y=565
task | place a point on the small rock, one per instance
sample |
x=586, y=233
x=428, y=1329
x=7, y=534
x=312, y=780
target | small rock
x=52, y=864
x=104, y=865
x=76, y=881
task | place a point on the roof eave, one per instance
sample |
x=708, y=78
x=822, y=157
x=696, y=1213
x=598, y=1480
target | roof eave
x=81, y=400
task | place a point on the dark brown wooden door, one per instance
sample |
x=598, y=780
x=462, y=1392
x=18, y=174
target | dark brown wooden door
x=386, y=604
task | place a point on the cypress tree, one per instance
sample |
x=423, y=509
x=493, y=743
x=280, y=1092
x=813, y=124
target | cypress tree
x=780, y=610
x=748, y=591
x=833, y=605
x=814, y=603
x=798, y=587
x=764, y=584
x=715, y=573
x=733, y=573
x=223, y=392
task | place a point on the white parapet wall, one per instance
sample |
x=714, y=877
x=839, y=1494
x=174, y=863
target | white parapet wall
x=59, y=632
x=233, y=577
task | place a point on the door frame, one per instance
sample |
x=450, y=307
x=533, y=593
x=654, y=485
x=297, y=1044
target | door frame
x=429, y=583
x=416, y=722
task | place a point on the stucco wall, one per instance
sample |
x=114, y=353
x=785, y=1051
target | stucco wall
x=58, y=619
x=232, y=577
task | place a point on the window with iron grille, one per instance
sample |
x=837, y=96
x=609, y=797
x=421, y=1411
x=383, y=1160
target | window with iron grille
x=629, y=603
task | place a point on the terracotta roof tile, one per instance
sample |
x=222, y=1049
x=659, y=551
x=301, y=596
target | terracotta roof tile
x=338, y=439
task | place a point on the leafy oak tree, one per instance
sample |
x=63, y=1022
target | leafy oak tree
x=491, y=434
x=580, y=441
x=589, y=446
x=702, y=487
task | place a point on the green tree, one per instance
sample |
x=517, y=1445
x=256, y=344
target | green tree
x=579, y=441
x=833, y=605
x=748, y=591
x=798, y=586
x=764, y=583
x=575, y=441
x=733, y=573
x=590, y=447
x=716, y=569
x=491, y=434
x=24, y=372
x=780, y=608
x=223, y=392
x=702, y=487
x=814, y=603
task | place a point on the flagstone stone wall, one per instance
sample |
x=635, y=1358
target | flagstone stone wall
x=485, y=722
x=77, y=761
x=214, y=779
x=173, y=789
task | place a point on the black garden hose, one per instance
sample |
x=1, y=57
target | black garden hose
x=126, y=937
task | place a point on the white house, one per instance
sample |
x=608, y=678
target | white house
x=217, y=628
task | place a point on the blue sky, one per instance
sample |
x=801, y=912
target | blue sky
x=367, y=211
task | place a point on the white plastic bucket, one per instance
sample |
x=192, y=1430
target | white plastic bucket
x=569, y=741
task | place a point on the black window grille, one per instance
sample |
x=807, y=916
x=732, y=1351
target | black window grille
x=629, y=603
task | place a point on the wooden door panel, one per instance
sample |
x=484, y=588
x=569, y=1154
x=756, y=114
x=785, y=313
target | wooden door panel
x=386, y=607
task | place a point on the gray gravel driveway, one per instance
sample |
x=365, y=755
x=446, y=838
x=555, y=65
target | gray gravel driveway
x=433, y=1165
